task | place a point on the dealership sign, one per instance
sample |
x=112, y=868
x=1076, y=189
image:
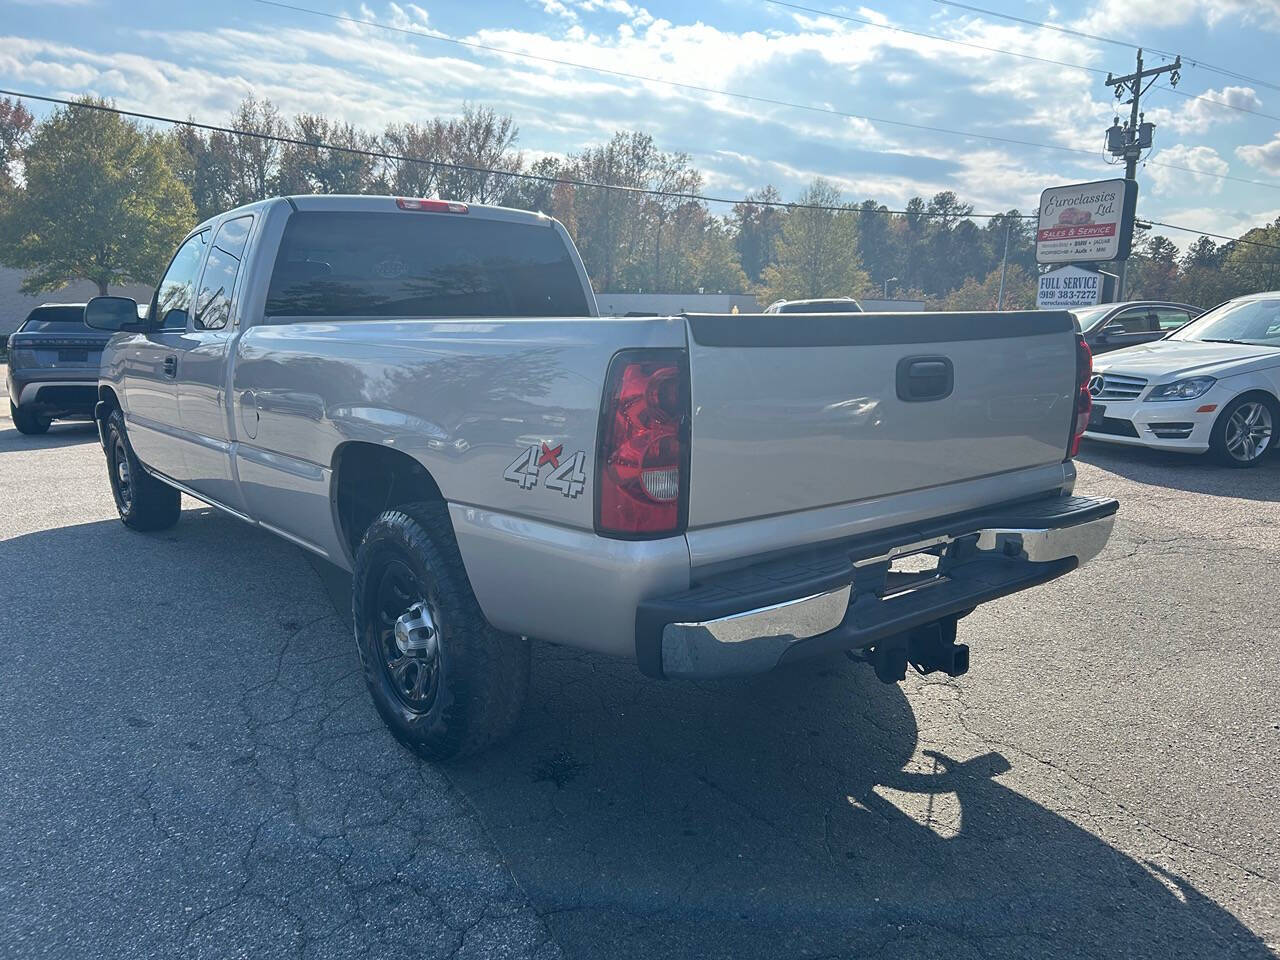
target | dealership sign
x=1069, y=287
x=1086, y=222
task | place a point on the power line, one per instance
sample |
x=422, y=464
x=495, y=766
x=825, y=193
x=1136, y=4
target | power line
x=1216, y=236
x=568, y=181
x=1058, y=28
x=998, y=50
x=1220, y=103
x=343, y=18
x=468, y=168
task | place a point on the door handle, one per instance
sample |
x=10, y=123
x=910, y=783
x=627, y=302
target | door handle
x=171, y=366
x=925, y=378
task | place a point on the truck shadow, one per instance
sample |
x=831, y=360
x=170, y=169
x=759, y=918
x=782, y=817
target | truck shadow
x=800, y=815
x=814, y=812
x=1189, y=473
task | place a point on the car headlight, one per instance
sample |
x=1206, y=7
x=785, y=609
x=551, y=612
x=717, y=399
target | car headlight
x=1187, y=389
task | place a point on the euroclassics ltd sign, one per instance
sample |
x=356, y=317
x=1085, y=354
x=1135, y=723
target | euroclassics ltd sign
x=1086, y=222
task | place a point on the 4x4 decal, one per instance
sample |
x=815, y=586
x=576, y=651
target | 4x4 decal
x=568, y=478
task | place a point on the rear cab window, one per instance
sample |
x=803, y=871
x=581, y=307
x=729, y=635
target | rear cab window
x=61, y=319
x=378, y=265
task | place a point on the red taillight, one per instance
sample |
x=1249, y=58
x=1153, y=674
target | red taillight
x=1084, y=402
x=430, y=206
x=643, y=462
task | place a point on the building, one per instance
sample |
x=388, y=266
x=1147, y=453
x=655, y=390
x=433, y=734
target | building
x=15, y=305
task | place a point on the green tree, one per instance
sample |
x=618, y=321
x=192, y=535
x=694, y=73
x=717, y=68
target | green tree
x=818, y=250
x=15, y=130
x=1153, y=269
x=99, y=202
x=984, y=294
x=758, y=227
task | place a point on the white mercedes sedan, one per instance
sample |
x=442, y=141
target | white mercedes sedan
x=1211, y=386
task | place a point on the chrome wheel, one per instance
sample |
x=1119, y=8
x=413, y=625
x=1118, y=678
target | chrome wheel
x=409, y=637
x=124, y=481
x=1248, y=432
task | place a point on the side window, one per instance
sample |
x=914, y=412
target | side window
x=213, y=302
x=1132, y=321
x=172, y=301
x=1170, y=318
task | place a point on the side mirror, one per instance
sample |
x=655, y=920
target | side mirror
x=113, y=313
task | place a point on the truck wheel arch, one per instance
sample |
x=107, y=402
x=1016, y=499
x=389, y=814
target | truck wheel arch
x=369, y=478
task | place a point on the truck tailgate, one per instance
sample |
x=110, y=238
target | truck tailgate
x=802, y=411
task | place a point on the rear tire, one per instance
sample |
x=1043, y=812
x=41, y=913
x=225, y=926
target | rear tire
x=27, y=422
x=1245, y=431
x=144, y=503
x=464, y=689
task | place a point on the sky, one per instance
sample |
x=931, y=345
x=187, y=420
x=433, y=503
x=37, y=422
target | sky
x=184, y=58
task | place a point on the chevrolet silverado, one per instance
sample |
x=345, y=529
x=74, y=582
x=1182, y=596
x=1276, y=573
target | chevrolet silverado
x=421, y=392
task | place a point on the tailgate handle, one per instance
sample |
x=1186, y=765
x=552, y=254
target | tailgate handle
x=925, y=378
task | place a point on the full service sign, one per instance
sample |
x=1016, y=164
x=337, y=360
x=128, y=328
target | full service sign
x=1086, y=222
x=1069, y=287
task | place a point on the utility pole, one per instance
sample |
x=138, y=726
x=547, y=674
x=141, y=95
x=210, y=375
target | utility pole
x=1135, y=136
x=1004, y=263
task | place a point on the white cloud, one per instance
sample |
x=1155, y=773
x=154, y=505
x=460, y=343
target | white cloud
x=1264, y=156
x=1197, y=116
x=1112, y=16
x=1181, y=168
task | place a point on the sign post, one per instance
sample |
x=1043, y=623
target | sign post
x=1086, y=222
x=1069, y=287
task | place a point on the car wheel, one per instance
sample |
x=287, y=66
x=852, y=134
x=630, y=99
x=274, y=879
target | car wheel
x=27, y=422
x=144, y=503
x=1245, y=430
x=446, y=682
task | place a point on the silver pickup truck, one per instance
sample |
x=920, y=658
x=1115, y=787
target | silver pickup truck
x=421, y=392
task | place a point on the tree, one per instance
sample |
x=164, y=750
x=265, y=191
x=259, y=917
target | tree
x=15, y=131
x=99, y=202
x=757, y=224
x=1019, y=292
x=312, y=169
x=1153, y=268
x=818, y=251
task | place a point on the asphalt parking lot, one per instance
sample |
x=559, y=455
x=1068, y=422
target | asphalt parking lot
x=190, y=765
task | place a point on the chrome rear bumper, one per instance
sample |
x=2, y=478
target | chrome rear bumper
x=987, y=562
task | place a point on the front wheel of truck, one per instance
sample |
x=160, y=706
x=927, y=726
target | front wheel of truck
x=143, y=502
x=446, y=682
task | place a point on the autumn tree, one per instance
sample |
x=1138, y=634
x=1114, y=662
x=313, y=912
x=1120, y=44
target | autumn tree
x=99, y=201
x=818, y=250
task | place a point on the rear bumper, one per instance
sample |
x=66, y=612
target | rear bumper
x=845, y=598
x=54, y=393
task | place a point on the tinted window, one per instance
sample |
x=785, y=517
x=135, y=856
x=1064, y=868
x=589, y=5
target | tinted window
x=421, y=265
x=1091, y=317
x=213, y=303
x=54, y=318
x=172, y=300
x=1140, y=320
x=1171, y=318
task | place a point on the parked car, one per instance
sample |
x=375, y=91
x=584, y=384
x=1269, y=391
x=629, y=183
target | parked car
x=830, y=305
x=1112, y=326
x=53, y=367
x=1210, y=386
x=421, y=392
